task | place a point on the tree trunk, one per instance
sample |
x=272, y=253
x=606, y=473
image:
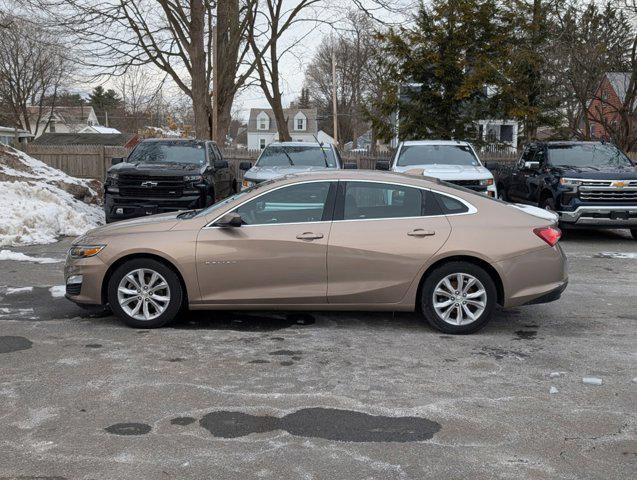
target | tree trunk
x=279, y=116
x=201, y=103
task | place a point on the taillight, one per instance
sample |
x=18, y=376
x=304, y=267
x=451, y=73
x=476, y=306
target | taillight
x=549, y=234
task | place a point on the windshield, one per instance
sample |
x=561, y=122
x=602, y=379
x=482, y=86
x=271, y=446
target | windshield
x=436, y=155
x=232, y=198
x=169, y=152
x=587, y=155
x=298, y=156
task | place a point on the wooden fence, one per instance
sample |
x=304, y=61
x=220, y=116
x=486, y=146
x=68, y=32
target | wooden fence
x=92, y=161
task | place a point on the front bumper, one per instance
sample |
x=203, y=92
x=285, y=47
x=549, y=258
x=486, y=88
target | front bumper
x=122, y=208
x=616, y=216
x=83, y=279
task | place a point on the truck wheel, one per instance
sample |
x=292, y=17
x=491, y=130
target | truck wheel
x=145, y=293
x=458, y=297
x=633, y=232
x=548, y=204
x=502, y=194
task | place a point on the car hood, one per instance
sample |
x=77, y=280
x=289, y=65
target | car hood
x=156, y=169
x=151, y=223
x=598, y=173
x=259, y=174
x=447, y=172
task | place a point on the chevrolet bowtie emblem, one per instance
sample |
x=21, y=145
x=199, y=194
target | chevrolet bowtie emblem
x=619, y=184
x=149, y=184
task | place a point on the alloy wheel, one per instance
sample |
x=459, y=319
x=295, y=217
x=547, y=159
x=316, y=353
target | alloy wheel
x=459, y=299
x=143, y=294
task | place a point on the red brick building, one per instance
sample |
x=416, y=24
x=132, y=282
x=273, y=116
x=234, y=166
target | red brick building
x=607, y=107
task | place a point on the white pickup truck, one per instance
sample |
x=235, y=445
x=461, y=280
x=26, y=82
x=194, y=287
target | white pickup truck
x=449, y=160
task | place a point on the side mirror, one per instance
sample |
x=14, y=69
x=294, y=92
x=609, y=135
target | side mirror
x=382, y=165
x=231, y=219
x=219, y=164
x=532, y=165
x=116, y=160
x=490, y=165
x=245, y=166
x=350, y=166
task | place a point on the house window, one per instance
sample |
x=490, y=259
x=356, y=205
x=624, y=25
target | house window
x=52, y=126
x=263, y=121
x=300, y=122
x=262, y=143
x=506, y=133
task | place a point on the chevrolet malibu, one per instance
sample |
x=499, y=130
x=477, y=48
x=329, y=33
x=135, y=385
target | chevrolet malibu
x=337, y=240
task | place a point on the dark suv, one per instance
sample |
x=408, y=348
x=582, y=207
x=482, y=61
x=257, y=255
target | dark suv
x=163, y=175
x=589, y=184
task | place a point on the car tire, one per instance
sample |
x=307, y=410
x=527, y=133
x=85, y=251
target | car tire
x=478, y=289
x=502, y=194
x=158, y=305
x=548, y=204
x=633, y=232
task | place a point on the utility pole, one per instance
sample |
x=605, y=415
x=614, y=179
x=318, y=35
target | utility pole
x=334, y=103
x=215, y=82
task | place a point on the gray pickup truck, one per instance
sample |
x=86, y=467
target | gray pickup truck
x=284, y=158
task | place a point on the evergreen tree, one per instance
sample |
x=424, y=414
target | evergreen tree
x=104, y=101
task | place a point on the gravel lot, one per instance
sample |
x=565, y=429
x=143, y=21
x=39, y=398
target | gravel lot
x=323, y=396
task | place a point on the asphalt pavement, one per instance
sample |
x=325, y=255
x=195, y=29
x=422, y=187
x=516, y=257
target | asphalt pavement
x=323, y=395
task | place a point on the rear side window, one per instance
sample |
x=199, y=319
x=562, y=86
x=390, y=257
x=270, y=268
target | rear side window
x=366, y=200
x=449, y=205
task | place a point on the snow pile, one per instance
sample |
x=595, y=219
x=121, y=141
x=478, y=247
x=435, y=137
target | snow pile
x=21, y=257
x=40, y=203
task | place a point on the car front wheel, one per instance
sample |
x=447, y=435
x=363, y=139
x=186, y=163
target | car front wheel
x=458, y=297
x=145, y=293
x=633, y=232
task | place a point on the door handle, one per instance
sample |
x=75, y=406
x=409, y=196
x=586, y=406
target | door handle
x=309, y=236
x=419, y=232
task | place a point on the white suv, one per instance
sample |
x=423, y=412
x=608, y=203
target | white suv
x=449, y=160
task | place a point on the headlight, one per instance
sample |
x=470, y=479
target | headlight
x=248, y=184
x=486, y=181
x=570, y=182
x=193, y=178
x=85, y=251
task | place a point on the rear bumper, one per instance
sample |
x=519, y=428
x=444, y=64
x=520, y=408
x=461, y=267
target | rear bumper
x=616, y=216
x=539, y=276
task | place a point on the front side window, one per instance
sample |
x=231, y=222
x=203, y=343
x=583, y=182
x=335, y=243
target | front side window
x=291, y=204
x=436, y=155
x=366, y=200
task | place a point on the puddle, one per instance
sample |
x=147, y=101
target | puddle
x=128, y=429
x=182, y=421
x=526, y=334
x=218, y=320
x=93, y=345
x=327, y=423
x=10, y=344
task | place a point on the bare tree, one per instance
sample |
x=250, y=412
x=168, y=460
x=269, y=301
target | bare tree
x=177, y=37
x=269, y=20
x=32, y=67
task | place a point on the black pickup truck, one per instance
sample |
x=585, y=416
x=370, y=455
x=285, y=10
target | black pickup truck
x=588, y=184
x=163, y=175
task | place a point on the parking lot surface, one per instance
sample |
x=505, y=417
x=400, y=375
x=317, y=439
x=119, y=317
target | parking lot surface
x=323, y=395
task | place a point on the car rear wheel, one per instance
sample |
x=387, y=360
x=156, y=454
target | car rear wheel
x=458, y=297
x=633, y=232
x=145, y=293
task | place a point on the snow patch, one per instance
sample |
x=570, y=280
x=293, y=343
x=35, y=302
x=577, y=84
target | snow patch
x=14, y=290
x=592, y=380
x=21, y=257
x=553, y=390
x=37, y=203
x=555, y=374
x=58, y=291
x=620, y=255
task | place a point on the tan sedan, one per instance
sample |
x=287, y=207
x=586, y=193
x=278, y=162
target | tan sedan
x=338, y=240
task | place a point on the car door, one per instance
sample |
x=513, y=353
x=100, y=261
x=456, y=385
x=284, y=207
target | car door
x=518, y=190
x=278, y=255
x=221, y=173
x=382, y=235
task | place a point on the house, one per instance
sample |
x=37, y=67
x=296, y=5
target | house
x=60, y=119
x=8, y=136
x=262, y=128
x=499, y=134
x=607, y=104
x=98, y=129
x=128, y=140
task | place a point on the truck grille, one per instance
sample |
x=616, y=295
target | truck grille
x=150, y=186
x=608, y=191
x=471, y=184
